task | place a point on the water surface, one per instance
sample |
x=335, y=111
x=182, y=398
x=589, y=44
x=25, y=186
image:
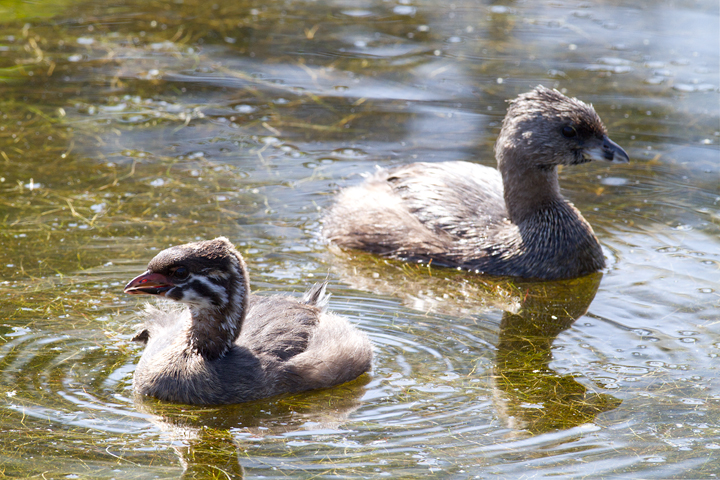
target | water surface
x=129, y=126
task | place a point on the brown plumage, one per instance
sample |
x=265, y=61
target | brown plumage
x=225, y=345
x=510, y=221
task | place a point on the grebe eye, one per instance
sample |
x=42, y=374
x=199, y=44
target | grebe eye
x=569, y=132
x=180, y=273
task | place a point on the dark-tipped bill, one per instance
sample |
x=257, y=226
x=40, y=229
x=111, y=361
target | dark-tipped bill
x=614, y=152
x=608, y=151
x=149, y=283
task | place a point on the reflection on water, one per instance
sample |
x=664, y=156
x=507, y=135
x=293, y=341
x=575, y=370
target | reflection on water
x=203, y=437
x=532, y=396
x=130, y=126
x=211, y=454
x=322, y=409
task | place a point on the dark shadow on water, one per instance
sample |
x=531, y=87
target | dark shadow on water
x=529, y=395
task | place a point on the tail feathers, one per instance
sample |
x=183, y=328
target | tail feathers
x=336, y=353
x=317, y=296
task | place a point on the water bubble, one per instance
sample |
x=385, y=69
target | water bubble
x=642, y=332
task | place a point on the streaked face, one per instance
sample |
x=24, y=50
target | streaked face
x=195, y=274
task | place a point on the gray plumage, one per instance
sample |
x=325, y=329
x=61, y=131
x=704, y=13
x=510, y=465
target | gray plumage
x=225, y=345
x=510, y=221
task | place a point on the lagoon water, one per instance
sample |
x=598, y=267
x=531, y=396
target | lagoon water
x=129, y=126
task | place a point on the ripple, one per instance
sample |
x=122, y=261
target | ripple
x=690, y=88
x=358, y=13
x=627, y=370
x=349, y=153
x=609, y=68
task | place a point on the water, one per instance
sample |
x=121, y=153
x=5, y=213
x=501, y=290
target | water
x=131, y=126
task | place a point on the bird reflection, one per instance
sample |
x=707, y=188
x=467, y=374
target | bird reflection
x=528, y=394
x=210, y=453
x=208, y=439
